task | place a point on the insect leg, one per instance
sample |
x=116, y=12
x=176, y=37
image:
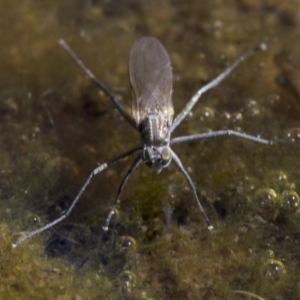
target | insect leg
x=97, y=170
x=229, y=132
x=193, y=188
x=133, y=166
x=99, y=83
x=211, y=85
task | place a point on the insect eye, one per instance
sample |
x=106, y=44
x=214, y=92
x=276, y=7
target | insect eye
x=166, y=156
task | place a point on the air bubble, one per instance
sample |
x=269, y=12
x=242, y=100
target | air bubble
x=265, y=199
x=277, y=180
x=126, y=243
x=274, y=270
x=33, y=220
x=128, y=281
x=290, y=201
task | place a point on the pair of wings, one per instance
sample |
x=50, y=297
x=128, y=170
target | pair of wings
x=151, y=80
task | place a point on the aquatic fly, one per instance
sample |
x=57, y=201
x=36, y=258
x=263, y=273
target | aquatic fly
x=152, y=115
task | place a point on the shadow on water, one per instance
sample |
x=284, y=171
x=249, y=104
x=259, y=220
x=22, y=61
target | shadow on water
x=56, y=127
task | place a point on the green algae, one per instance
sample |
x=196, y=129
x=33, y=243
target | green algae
x=55, y=127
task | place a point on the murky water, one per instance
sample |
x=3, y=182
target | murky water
x=56, y=127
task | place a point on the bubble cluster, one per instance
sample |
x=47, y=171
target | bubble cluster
x=278, y=199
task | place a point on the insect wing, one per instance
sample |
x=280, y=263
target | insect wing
x=151, y=79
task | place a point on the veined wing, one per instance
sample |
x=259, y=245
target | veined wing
x=151, y=79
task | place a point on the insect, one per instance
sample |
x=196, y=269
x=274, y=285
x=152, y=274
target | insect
x=152, y=115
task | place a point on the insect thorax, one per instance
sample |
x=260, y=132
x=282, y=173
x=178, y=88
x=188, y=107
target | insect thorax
x=155, y=135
